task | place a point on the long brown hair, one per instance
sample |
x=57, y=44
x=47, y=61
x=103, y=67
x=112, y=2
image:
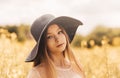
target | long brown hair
x=44, y=56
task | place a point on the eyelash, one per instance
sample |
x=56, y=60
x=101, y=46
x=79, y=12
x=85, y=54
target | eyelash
x=49, y=37
x=59, y=32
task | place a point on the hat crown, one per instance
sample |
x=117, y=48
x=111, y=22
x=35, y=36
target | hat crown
x=39, y=25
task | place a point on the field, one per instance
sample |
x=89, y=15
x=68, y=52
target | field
x=98, y=62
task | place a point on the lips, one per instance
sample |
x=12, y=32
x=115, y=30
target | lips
x=59, y=45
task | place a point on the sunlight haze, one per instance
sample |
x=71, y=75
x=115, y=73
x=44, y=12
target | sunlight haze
x=90, y=12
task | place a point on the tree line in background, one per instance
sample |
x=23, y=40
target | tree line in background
x=99, y=36
x=22, y=31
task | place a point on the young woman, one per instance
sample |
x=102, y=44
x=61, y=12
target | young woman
x=52, y=55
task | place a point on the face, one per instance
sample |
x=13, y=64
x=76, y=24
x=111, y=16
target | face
x=56, y=40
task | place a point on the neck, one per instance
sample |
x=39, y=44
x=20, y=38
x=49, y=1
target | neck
x=59, y=60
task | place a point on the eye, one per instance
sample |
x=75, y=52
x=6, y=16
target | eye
x=49, y=37
x=60, y=32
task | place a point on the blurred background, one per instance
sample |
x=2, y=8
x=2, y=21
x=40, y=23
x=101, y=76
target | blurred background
x=96, y=43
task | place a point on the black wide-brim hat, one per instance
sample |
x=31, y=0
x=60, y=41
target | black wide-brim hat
x=39, y=25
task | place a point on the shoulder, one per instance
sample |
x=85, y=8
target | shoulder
x=33, y=73
x=37, y=72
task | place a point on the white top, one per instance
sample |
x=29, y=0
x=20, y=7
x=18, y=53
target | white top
x=67, y=73
x=62, y=73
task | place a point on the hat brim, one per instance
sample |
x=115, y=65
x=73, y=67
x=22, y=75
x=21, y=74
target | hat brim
x=69, y=24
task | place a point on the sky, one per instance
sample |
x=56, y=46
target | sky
x=90, y=12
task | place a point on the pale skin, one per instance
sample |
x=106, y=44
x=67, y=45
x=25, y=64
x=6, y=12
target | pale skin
x=56, y=44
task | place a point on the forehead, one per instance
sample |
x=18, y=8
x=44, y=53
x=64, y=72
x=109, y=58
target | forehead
x=53, y=27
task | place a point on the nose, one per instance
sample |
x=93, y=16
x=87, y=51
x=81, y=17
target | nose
x=56, y=38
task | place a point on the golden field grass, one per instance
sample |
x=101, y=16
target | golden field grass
x=98, y=62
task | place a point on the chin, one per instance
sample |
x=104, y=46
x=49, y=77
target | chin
x=61, y=50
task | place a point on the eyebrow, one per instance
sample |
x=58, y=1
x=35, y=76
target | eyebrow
x=56, y=30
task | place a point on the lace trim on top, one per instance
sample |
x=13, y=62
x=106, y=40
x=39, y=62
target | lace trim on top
x=63, y=69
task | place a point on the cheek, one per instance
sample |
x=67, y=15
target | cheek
x=50, y=45
x=63, y=38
